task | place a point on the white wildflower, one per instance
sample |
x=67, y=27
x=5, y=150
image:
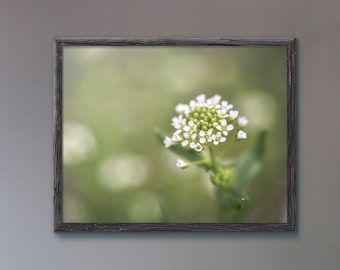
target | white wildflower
x=223, y=112
x=176, y=137
x=205, y=136
x=168, y=142
x=224, y=128
x=189, y=139
x=233, y=114
x=225, y=105
x=218, y=138
x=190, y=127
x=178, y=122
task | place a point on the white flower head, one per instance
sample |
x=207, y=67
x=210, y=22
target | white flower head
x=241, y=135
x=205, y=122
x=181, y=164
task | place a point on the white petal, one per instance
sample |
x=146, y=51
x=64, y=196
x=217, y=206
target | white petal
x=193, y=136
x=198, y=147
x=201, y=133
x=176, y=138
x=186, y=135
x=192, y=145
x=216, y=98
x=230, y=127
x=185, y=143
x=223, y=122
x=219, y=128
x=224, y=103
x=186, y=128
x=216, y=142
x=202, y=140
x=223, y=139
x=225, y=133
x=192, y=104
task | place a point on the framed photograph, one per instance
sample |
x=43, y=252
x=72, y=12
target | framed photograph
x=182, y=134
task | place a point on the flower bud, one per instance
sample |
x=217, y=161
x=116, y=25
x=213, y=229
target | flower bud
x=181, y=164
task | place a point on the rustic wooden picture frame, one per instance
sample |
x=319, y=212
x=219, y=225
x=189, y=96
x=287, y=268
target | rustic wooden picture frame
x=290, y=225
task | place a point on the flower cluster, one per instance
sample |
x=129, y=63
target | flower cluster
x=205, y=122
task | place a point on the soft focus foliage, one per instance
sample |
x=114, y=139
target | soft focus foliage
x=115, y=169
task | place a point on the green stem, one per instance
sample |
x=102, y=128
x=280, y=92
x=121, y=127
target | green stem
x=200, y=162
x=216, y=167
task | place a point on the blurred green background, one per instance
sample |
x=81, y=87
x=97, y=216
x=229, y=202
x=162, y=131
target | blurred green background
x=115, y=170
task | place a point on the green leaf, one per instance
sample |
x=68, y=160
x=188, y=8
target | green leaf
x=229, y=198
x=232, y=200
x=251, y=161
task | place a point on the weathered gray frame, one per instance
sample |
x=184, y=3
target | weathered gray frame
x=290, y=225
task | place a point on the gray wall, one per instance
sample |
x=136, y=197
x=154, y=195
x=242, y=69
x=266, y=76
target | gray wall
x=27, y=29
